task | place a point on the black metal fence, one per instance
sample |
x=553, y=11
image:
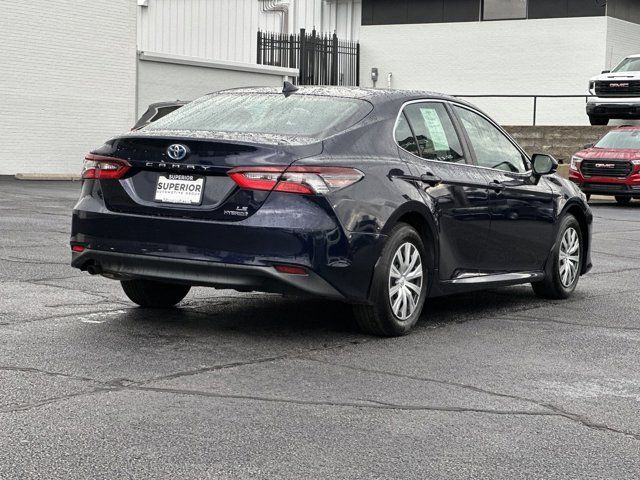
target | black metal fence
x=321, y=59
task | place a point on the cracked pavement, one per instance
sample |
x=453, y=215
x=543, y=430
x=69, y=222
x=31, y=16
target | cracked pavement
x=497, y=384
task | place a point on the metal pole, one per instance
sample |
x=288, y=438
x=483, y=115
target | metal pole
x=535, y=109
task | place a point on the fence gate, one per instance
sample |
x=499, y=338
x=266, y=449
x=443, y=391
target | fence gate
x=321, y=59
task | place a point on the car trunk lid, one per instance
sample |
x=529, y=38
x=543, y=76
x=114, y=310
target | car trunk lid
x=161, y=182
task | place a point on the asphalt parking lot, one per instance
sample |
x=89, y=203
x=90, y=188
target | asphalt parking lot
x=493, y=385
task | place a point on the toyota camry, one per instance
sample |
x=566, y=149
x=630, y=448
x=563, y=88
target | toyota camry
x=378, y=198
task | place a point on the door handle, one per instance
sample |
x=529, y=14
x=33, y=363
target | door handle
x=496, y=186
x=430, y=179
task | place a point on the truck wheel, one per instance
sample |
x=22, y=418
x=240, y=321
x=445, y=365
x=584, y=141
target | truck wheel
x=601, y=121
x=147, y=293
x=623, y=199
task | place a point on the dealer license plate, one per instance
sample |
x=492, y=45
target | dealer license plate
x=181, y=189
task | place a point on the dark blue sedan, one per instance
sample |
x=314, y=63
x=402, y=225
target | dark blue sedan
x=375, y=197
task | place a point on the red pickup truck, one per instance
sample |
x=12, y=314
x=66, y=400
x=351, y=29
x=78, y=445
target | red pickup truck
x=611, y=166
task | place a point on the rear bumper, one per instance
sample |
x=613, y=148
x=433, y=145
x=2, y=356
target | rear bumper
x=123, y=266
x=239, y=255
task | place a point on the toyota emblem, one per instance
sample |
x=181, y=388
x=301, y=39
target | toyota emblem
x=177, y=151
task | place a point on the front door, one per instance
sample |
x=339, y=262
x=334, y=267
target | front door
x=522, y=210
x=456, y=194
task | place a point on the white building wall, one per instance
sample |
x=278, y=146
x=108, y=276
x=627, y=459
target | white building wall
x=623, y=39
x=67, y=81
x=226, y=29
x=549, y=56
x=165, y=77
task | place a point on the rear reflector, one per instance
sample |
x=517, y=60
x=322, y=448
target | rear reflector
x=77, y=248
x=104, y=168
x=291, y=270
x=297, y=179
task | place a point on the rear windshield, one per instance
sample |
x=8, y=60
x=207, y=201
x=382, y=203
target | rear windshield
x=299, y=115
x=621, y=139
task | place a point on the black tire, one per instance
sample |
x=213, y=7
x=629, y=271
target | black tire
x=150, y=294
x=552, y=286
x=598, y=121
x=379, y=318
x=623, y=199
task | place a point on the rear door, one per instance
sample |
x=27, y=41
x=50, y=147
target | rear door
x=522, y=210
x=458, y=196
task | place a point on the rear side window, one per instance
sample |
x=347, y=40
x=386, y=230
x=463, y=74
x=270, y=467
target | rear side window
x=434, y=132
x=404, y=136
x=300, y=115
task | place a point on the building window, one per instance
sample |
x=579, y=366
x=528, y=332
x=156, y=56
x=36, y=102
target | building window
x=504, y=9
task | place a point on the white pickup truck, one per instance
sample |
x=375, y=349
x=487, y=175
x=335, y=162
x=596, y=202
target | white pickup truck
x=617, y=93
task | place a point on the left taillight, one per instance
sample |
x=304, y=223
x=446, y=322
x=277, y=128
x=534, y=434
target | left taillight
x=298, y=179
x=104, y=168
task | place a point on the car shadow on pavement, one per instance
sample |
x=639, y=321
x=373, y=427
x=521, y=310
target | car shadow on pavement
x=284, y=316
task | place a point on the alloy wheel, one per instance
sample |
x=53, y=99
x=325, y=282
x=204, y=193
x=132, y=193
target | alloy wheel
x=569, y=254
x=405, y=281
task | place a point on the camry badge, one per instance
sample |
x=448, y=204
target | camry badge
x=177, y=151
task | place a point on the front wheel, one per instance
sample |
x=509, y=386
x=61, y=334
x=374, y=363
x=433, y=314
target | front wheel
x=566, y=262
x=150, y=294
x=623, y=199
x=399, y=286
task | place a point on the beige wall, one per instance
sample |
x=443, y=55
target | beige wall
x=167, y=77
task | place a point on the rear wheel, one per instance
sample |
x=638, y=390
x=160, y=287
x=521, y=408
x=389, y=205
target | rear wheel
x=399, y=286
x=601, y=121
x=566, y=262
x=150, y=294
x=623, y=200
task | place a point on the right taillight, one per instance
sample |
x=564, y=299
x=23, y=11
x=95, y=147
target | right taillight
x=104, y=168
x=298, y=179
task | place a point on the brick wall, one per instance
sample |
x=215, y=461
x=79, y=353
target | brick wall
x=561, y=142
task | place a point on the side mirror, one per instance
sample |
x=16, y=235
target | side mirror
x=606, y=71
x=543, y=164
x=588, y=145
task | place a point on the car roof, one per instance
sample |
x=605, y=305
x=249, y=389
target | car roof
x=374, y=95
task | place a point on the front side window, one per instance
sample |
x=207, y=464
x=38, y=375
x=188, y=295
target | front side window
x=504, y=9
x=492, y=148
x=620, y=139
x=434, y=132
